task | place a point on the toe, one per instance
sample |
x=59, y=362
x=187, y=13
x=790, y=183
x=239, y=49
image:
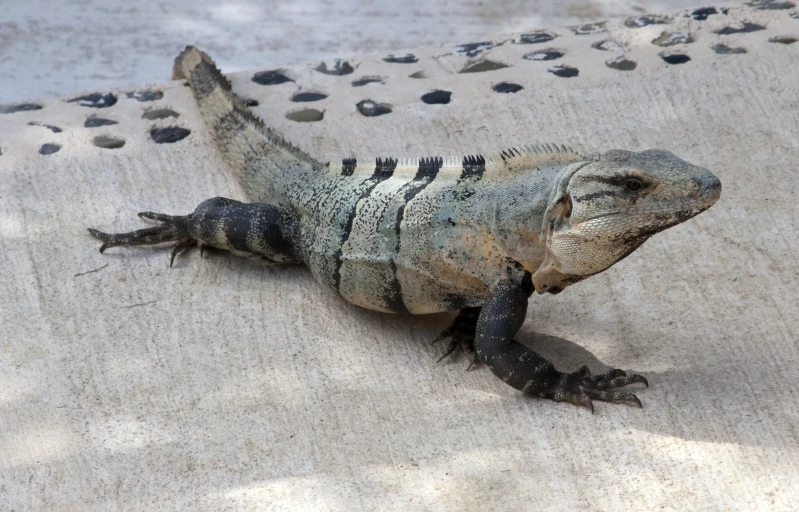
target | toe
x=621, y=381
x=615, y=396
x=450, y=349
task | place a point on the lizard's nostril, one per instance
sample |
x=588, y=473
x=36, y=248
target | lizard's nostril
x=711, y=187
x=704, y=182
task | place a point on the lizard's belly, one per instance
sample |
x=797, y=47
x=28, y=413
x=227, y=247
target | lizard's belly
x=397, y=286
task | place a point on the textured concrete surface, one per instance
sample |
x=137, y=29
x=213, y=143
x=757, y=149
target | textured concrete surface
x=221, y=384
x=50, y=47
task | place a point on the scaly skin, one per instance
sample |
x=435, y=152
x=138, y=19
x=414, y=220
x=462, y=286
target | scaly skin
x=477, y=234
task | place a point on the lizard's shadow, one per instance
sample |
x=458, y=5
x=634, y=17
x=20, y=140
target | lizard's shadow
x=566, y=355
x=673, y=404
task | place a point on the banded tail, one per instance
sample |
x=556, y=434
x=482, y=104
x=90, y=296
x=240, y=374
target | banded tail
x=258, y=156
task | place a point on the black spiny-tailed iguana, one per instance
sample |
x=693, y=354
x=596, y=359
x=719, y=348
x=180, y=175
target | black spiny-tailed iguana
x=475, y=234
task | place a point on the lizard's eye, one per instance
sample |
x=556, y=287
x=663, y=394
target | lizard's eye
x=633, y=184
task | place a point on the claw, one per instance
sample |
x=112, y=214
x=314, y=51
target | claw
x=468, y=349
x=450, y=349
x=620, y=382
x=446, y=333
x=99, y=235
x=106, y=238
x=175, y=251
x=629, y=398
x=615, y=396
x=179, y=247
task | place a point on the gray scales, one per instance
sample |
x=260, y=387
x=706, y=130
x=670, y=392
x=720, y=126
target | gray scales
x=478, y=234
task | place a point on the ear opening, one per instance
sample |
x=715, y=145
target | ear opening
x=567, y=207
x=560, y=214
x=559, y=211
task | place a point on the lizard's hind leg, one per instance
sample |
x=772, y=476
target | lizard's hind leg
x=254, y=230
x=461, y=333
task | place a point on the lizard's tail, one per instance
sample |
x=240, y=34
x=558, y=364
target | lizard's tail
x=257, y=155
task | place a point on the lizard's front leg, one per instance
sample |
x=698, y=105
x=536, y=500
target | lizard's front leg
x=254, y=230
x=527, y=371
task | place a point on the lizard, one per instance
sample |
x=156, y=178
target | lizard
x=474, y=234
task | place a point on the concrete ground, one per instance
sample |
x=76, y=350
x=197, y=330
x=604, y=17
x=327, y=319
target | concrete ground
x=54, y=47
x=222, y=384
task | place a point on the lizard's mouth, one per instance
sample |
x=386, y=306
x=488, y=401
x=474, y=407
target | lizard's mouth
x=649, y=222
x=662, y=217
x=558, y=271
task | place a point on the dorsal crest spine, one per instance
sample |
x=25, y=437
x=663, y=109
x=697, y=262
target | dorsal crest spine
x=532, y=149
x=472, y=165
x=385, y=165
x=474, y=160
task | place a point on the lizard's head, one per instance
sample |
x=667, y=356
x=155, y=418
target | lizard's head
x=611, y=206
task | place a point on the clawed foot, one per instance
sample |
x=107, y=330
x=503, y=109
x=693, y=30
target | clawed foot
x=580, y=388
x=461, y=334
x=174, y=228
x=457, y=339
